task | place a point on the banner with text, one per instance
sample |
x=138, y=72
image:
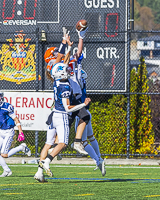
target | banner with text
x=32, y=108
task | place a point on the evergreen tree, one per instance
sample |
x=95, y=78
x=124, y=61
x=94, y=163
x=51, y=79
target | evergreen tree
x=141, y=133
x=109, y=120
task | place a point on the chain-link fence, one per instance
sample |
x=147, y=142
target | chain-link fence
x=122, y=68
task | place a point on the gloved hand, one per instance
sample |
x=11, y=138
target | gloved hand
x=65, y=34
x=80, y=59
x=20, y=137
x=81, y=34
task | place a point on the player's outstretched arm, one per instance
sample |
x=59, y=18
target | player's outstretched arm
x=18, y=124
x=81, y=35
x=67, y=57
x=62, y=47
x=73, y=108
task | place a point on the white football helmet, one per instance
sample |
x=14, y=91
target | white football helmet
x=1, y=97
x=60, y=71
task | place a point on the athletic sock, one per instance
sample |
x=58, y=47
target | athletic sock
x=3, y=164
x=40, y=170
x=92, y=153
x=15, y=150
x=95, y=146
x=49, y=159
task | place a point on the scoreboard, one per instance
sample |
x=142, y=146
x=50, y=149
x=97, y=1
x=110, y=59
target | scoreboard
x=31, y=13
x=105, y=44
x=104, y=15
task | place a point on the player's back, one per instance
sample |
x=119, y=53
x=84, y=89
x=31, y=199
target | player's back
x=6, y=122
x=61, y=90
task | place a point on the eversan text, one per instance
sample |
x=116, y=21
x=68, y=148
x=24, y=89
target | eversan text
x=19, y=22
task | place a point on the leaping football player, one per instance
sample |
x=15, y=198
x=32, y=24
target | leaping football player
x=93, y=149
x=55, y=56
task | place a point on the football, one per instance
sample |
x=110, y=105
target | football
x=81, y=25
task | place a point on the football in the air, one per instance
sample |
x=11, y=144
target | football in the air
x=81, y=25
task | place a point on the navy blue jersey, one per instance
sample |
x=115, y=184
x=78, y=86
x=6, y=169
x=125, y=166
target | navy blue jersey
x=6, y=111
x=84, y=93
x=61, y=90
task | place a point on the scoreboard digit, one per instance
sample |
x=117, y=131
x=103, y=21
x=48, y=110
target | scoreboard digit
x=27, y=13
x=11, y=9
x=111, y=24
x=29, y=10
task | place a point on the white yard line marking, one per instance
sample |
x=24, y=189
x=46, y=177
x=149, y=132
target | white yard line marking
x=89, y=166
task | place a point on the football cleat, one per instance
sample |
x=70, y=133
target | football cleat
x=96, y=168
x=5, y=173
x=26, y=150
x=39, y=177
x=100, y=160
x=59, y=157
x=102, y=167
x=46, y=168
x=79, y=147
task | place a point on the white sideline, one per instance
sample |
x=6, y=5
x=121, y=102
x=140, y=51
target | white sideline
x=89, y=161
x=139, y=167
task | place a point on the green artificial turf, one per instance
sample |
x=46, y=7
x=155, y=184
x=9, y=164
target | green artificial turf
x=82, y=182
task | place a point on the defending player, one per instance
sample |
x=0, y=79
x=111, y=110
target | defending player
x=52, y=55
x=8, y=120
x=60, y=121
x=51, y=132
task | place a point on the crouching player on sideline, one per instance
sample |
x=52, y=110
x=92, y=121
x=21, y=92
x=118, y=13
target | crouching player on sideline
x=8, y=120
x=93, y=149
